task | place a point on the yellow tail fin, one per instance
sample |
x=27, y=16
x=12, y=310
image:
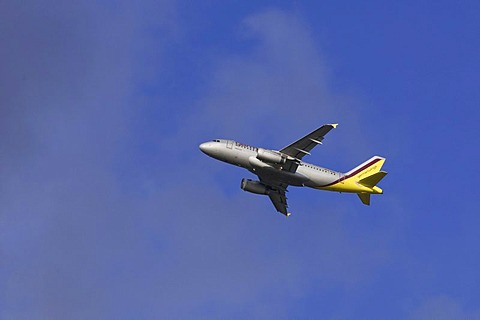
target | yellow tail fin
x=361, y=180
x=366, y=169
x=368, y=174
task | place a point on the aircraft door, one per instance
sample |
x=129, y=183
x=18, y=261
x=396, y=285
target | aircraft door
x=229, y=144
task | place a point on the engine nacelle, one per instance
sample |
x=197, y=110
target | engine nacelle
x=270, y=156
x=254, y=186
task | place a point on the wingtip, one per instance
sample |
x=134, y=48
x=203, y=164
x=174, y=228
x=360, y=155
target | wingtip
x=288, y=214
x=334, y=125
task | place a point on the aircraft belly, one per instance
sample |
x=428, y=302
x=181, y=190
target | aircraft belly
x=316, y=178
x=293, y=179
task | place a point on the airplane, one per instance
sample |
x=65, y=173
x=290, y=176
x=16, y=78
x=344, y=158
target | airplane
x=277, y=170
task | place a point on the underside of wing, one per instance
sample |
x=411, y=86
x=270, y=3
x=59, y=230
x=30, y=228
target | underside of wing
x=303, y=146
x=277, y=195
x=279, y=200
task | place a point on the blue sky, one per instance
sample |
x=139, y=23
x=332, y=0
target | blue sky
x=108, y=210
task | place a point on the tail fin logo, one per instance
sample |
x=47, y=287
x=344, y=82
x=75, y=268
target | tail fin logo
x=367, y=172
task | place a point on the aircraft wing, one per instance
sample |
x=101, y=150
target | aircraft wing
x=303, y=146
x=277, y=195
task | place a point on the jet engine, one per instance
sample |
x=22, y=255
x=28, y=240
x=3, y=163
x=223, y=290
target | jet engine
x=270, y=156
x=254, y=186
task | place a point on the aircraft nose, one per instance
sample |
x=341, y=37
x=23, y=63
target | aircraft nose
x=205, y=147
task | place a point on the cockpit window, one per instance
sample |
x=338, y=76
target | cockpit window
x=216, y=140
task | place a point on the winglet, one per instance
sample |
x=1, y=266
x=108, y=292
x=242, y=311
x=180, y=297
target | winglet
x=334, y=125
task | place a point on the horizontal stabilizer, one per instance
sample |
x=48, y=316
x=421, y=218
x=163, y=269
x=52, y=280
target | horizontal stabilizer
x=371, y=181
x=365, y=197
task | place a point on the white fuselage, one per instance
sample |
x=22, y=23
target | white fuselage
x=245, y=156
